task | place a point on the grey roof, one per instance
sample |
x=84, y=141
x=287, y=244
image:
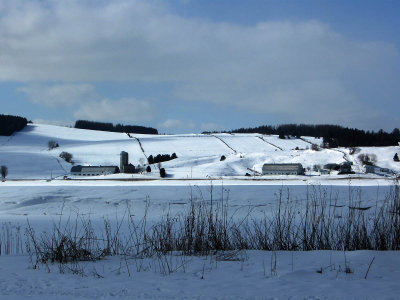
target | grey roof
x=282, y=167
x=88, y=169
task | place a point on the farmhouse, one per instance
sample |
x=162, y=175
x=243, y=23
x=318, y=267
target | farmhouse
x=282, y=169
x=93, y=170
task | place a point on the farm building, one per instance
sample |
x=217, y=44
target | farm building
x=345, y=168
x=125, y=166
x=324, y=172
x=282, y=169
x=93, y=170
x=378, y=170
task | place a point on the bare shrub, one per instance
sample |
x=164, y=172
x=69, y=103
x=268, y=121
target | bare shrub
x=315, y=147
x=66, y=156
x=354, y=150
x=367, y=158
x=52, y=144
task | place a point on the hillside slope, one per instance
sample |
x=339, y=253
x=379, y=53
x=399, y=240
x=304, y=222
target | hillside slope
x=27, y=156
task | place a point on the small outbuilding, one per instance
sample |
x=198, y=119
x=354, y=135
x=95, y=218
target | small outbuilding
x=282, y=169
x=93, y=170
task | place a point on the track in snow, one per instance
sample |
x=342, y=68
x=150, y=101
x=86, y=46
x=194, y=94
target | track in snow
x=234, y=151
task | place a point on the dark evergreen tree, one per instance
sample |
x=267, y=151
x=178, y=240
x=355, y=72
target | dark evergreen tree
x=162, y=173
x=396, y=157
x=4, y=172
x=10, y=124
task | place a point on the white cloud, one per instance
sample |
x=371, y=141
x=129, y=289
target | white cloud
x=59, y=94
x=123, y=110
x=54, y=122
x=211, y=127
x=177, y=124
x=291, y=69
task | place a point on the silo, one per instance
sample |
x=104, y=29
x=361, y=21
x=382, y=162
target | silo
x=124, y=160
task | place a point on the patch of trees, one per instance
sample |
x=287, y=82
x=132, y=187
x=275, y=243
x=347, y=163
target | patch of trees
x=10, y=124
x=333, y=135
x=83, y=124
x=160, y=158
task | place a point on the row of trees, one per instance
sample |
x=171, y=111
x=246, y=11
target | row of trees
x=333, y=135
x=83, y=124
x=160, y=158
x=10, y=124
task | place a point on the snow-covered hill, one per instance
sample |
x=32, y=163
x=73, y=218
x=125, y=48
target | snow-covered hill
x=26, y=153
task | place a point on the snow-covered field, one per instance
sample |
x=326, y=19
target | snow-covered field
x=196, y=175
x=296, y=276
x=232, y=275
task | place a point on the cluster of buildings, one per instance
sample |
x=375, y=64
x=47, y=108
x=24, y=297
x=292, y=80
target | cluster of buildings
x=125, y=167
x=297, y=169
x=267, y=169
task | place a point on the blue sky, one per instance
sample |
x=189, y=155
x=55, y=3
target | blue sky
x=196, y=65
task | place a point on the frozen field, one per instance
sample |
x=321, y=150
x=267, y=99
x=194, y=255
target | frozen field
x=232, y=275
x=46, y=202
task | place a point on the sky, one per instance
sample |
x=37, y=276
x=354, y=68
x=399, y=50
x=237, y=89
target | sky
x=199, y=65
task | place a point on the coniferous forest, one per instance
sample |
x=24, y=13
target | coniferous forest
x=333, y=135
x=10, y=124
x=83, y=124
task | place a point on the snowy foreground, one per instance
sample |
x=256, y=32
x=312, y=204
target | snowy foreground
x=248, y=275
x=223, y=275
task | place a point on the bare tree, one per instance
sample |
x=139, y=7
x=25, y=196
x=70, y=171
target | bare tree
x=66, y=156
x=4, y=172
x=52, y=144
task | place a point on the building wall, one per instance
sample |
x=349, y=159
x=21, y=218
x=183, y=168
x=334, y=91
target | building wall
x=282, y=169
x=93, y=171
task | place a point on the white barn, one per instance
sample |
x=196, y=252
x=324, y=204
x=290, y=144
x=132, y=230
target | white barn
x=93, y=170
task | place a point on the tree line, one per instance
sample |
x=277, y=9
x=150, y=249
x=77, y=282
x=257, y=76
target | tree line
x=160, y=158
x=333, y=135
x=84, y=124
x=10, y=124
